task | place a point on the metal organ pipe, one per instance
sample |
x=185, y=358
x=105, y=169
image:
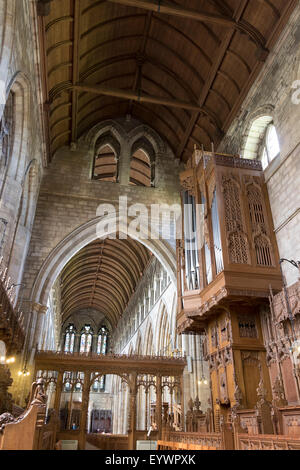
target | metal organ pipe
x=190, y=242
x=217, y=235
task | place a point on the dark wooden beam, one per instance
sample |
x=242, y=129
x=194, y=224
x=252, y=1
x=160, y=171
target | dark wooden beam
x=141, y=58
x=176, y=10
x=143, y=98
x=210, y=81
x=75, y=74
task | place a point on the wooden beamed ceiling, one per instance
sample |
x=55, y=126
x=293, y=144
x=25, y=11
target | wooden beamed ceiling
x=103, y=276
x=183, y=67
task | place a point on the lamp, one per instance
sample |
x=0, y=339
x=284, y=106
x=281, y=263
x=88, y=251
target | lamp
x=10, y=360
x=24, y=372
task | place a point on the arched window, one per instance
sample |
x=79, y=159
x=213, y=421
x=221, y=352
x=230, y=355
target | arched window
x=140, y=169
x=271, y=148
x=70, y=339
x=262, y=141
x=99, y=384
x=6, y=130
x=102, y=344
x=106, y=165
x=86, y=339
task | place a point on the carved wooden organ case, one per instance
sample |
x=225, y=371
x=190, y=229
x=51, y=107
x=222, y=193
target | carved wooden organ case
x=227, y=259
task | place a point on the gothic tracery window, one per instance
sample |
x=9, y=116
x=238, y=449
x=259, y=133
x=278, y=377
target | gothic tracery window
x=106, y=164
x=86, y=339
x=262, y=142
x=6, y=130
x=70, y=339
x=102, y=343
x=140, y=169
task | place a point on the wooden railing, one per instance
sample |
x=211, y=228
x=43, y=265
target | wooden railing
x=48, y=355
x=267, y=442
x=108, y=442
x=213, y=440
x=11, y=319
x=168, y=445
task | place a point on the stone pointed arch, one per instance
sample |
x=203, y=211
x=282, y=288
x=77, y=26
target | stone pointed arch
x=82, y=236
x=108, y=126
x=21, y=88
x=145, y=132
x=255, y=128
x=7, y=32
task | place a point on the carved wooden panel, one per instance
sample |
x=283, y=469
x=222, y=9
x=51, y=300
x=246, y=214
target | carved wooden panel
x=236, y=237
x=247, y=326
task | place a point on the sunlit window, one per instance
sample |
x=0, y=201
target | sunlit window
x=86, y=339
x=102, y=340
x=271, y=148
x=272, y=141
x=69, y=339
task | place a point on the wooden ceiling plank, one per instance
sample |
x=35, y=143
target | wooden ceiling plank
x=75, y=75
x=213, y=74
x=177, y=10
x=140, y=58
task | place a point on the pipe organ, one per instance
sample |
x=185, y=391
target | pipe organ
x=227, y=262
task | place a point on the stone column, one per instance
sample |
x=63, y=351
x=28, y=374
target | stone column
x=38, y=312
x=158, y=408
x=146, y=408
x=124, y=164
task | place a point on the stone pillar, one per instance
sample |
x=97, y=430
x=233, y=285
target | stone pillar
x=84, y=409
x=124, y=165
x=38, y=311
x=132, y=415
x=158, y=408
x=146, y=408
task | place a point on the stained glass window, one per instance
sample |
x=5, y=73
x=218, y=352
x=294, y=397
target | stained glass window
x=99, y=384
x=86, y=339
x=102, y=341
x=70, y=339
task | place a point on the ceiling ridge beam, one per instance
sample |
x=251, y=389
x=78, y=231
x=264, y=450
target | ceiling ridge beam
x=135, y=96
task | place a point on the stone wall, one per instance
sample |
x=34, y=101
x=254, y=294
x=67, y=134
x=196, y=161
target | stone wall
x=20, y=176
x=69, y=198
x=272, y=95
